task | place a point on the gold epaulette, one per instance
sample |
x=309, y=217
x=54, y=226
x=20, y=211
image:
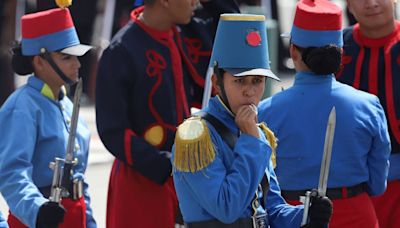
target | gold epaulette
x=194, y=149
x=273, y=141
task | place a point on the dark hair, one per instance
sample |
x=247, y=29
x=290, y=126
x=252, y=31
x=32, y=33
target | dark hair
x=322, y=60
x=21, y=64
x=219, y=72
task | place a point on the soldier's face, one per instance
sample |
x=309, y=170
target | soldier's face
x=181, y=11
x=68, y=64
x=245, y=90
x=372, y=14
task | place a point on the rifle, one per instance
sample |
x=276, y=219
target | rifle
x=62, y=167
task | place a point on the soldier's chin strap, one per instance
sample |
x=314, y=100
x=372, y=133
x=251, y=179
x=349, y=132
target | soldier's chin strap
x=220, y=81
x=46, y=55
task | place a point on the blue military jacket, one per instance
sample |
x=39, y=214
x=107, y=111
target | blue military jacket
x=298, y=116
x=34, y=130
x=225, y=188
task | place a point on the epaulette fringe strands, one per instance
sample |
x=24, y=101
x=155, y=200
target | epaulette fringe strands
x=273, y=141
x=194, y=149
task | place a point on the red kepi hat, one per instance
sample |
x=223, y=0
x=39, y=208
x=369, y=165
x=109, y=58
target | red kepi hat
x=317, y=23
x=49, y=31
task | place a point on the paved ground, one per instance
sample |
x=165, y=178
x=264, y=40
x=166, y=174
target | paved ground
x=100, y=160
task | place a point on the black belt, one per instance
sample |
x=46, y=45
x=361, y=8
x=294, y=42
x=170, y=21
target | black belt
x=75, y=190
x=240, y=223
x=332, y=193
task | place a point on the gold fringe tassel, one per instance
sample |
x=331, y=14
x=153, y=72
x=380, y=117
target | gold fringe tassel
x=273, y=141
x=192, y=155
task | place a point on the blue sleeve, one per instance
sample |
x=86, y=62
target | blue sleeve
x=227, y=193
x=3, y=223
x=90, y=222
x=378, y=163
x=281, y=214
x=16, y=185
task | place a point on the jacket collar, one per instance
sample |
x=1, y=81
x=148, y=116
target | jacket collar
x=44, y=89
x=307, y=78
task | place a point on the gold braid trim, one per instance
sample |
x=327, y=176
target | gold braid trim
x=273, y=141
x=194, y=149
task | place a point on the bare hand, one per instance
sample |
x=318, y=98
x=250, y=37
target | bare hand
x=246, y=120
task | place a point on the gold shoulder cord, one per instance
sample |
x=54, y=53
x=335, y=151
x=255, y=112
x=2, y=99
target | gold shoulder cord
x=273, y=141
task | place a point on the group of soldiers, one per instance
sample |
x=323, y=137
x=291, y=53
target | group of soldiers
x=239, y=162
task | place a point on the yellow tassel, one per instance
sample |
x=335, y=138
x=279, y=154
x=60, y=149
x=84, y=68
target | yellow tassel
x=63, y=3
x=273, y=141
x=194, y=149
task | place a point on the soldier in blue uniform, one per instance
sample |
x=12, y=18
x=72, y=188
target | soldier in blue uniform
x=298, y=116
x=35, y=122
x=223, y=172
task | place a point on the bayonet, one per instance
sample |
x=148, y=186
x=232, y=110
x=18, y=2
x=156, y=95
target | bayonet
x=326, y=159
x=62, y=167
x=325, y=164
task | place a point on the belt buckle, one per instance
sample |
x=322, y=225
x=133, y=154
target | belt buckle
x=260, y=220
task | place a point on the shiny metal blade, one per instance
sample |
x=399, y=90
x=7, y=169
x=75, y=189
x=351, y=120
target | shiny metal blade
x=326, y=159
x=74, y=122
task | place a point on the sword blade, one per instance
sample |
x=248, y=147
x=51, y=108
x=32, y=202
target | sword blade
x=69, y=158
x=326, y=159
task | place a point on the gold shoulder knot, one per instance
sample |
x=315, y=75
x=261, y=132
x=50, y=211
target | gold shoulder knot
x=273, y=141
x=194, y=149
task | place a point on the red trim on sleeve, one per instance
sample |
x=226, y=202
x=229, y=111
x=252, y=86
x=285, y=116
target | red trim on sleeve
x=128, y=145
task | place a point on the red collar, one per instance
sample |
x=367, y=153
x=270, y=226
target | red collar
x=379, y=42
x=161, y=36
